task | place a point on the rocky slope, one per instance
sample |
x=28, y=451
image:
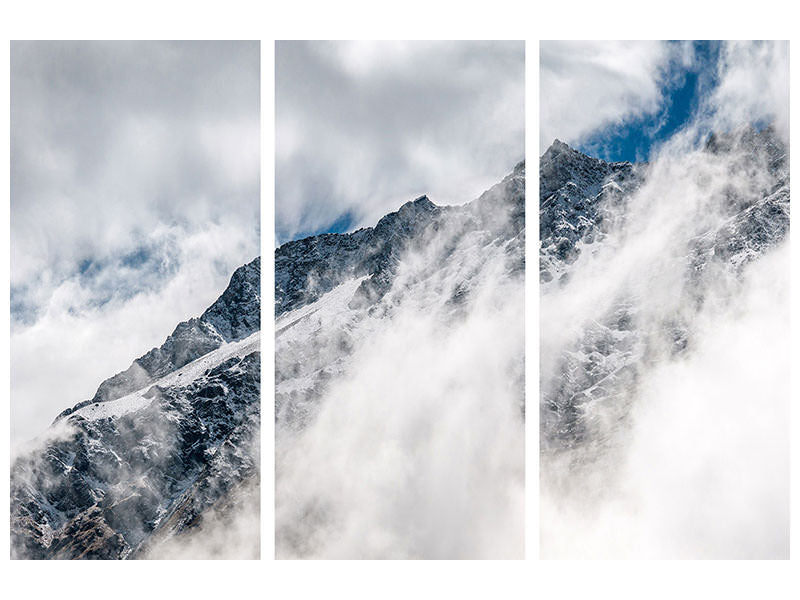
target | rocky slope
x=424, y=276
x=355, y=271
x=653, y=265
x=159, y=447
x=579, y=197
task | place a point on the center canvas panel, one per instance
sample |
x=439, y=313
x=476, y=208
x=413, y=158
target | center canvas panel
x=399, y=300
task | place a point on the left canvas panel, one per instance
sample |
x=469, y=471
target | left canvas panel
x=135, y=177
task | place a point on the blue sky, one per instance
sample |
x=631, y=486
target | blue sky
x=347, y=221
x=621, y=100
x=681, y=86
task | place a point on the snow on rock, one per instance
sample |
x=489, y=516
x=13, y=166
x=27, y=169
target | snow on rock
x=184, y=375
x=162, y=446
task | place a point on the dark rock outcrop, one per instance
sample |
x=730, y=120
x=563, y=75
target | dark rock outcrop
x=308, y=268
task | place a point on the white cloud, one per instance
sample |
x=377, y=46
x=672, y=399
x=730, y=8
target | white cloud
x=415, y=448
x=705, y=468
x=134, y=196
x=355, y=118
x=133, y=135
x=586, y=86
x=753, y=86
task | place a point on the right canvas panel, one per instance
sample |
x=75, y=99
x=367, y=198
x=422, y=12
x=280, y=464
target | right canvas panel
x=664, y=299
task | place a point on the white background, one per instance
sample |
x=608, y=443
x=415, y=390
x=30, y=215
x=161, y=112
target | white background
x=412, y=19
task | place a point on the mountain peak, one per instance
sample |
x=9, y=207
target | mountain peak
x=558, y=147
x=421, y=203
x=235, y=315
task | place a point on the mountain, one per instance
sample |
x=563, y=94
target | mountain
x=632, y=259
x=308, y=268
x=383, y=335
x=162, y=452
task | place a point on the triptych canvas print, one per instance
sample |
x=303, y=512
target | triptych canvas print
x=400, y=328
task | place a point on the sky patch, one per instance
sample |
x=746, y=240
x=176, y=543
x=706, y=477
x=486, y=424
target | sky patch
x=623, y=101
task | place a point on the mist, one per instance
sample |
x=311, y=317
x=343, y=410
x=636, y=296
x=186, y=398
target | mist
x=414, y=448
x=230, y=535
x=701, y=467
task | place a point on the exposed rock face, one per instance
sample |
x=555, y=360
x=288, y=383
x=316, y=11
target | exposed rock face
x=158, y=447
x=586, y=207
x=579, y=200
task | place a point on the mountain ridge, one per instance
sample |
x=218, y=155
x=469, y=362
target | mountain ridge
x=389, y=342
x=311, y=266
x=156, y=455
x=231, y=317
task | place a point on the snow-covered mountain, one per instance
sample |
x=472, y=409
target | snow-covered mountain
x=399, y=383
x=583, y=200
x=164, y=459
x=642, y=268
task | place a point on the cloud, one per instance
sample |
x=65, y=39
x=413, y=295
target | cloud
x=704, y=470
x=109, y=139
x=753, y=86
x=363, y=127
x=587, y=86
x=134, y=195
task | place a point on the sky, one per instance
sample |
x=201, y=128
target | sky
x=623, y=100
x=363, y=127
x=135, y=184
